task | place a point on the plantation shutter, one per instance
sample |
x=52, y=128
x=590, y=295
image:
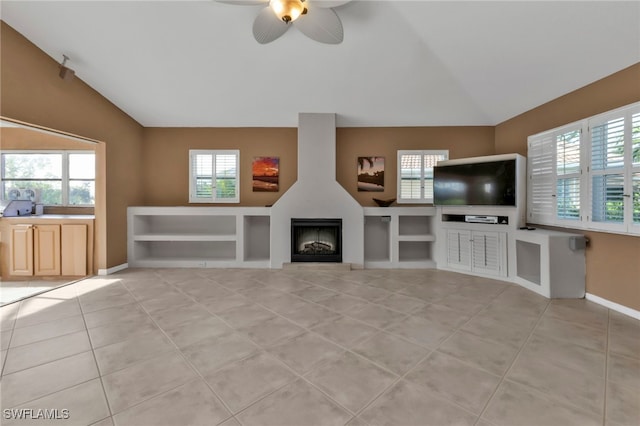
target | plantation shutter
x=429, y=162
x=591, y=171
x=635, y=169
x=415, y=175
x=607, y=171
x=202, y=166
x=226, y=176
x=568, y=170
x=213, y=176
x=410, y=177
x=541, y=200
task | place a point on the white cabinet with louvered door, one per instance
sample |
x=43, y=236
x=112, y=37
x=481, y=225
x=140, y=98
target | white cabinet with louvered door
x=488, y=250
x=479, y=252
x=459, y=249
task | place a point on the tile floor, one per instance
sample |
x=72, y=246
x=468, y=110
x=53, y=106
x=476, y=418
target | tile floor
x=302, y=348
x=12, y=291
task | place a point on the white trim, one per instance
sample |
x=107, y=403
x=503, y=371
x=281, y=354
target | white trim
x=113, y=269
x=613, y=306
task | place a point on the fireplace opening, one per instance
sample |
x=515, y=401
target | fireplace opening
x=316, y=240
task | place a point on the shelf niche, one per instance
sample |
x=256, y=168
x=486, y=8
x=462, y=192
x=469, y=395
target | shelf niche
x=377, y=238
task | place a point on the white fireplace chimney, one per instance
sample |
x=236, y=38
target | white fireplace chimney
x=316, y=193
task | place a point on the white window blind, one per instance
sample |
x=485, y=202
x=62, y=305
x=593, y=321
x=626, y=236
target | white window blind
x=213, y=176
x=591, y=171
x=415, y=175
x=541, y=200
x=635, y=169
x=568, y=174
x=607, y=171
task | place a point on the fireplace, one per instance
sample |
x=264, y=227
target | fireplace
x=316, y=240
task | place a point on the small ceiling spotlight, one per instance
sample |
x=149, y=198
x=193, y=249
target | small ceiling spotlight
x=66, y=73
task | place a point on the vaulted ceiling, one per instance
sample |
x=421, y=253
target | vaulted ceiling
x=402, y=63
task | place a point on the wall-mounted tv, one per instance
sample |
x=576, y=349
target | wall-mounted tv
x=490, y=183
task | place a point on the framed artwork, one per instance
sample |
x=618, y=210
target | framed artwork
x=266, y=174
x=370, y=174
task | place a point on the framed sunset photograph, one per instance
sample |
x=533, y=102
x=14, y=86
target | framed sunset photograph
x=266, y=174
x=370, y=174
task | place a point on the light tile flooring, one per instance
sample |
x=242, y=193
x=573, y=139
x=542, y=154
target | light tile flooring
x=260, y=347
x=12, y=291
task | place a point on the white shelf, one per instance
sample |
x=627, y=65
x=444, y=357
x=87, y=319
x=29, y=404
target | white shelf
x=183, y=237
x=198, y=237
x=426, y=238
x=399, y=237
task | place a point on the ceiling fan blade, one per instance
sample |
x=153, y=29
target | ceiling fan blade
x=267, y=27
x=321, y=25
x=325, y=4
x=244, y=2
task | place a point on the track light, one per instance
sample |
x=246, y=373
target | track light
x=66, y=73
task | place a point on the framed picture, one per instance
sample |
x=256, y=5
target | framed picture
x=266, y=174
x=370, y=174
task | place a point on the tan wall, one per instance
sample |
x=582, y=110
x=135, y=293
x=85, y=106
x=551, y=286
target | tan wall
x=29, y=140
x=386, y=141
x=32, y=92
x=613, y=266
x=166, y=160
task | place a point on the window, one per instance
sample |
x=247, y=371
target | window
x=57, y=178
x=415, y=175
x=587, y=174
x=213, y=176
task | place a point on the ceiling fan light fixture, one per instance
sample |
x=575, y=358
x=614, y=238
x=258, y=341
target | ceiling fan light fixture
x=288, y=10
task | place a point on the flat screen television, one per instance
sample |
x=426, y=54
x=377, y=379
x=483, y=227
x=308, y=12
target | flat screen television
x=490, y=183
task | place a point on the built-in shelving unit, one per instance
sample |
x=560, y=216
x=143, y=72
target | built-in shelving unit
x=399, y=237
x=551, y=263
x=201, y=237
x=485, y=249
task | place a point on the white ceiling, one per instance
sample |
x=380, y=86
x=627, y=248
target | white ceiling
x=402, y=63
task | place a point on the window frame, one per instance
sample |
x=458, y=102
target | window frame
x=422, y=153
x=535, y=156
x=192, y=178
x=64, y=179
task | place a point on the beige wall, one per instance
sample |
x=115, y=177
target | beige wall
x=166, y=161
x=32, y=92
x=163, y=146
x=352, y=143
x=613, y=261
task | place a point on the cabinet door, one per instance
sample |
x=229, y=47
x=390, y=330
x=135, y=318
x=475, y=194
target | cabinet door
x=459, y=249
x=487, y=253
x=74, y=250
x=46, y=247
x=21, y=250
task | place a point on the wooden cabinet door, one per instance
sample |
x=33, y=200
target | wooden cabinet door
x=74, y=250
x=46, y=244
x=21, y=250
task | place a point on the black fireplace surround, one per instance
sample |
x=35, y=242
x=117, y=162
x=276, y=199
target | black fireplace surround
x=316, y=240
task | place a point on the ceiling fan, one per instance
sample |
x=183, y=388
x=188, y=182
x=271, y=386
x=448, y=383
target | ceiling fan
x=314, y=18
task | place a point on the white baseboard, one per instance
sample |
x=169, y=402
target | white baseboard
x=113, y=269
x=613, y=306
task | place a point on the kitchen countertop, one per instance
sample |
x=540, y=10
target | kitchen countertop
x=54, y=217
